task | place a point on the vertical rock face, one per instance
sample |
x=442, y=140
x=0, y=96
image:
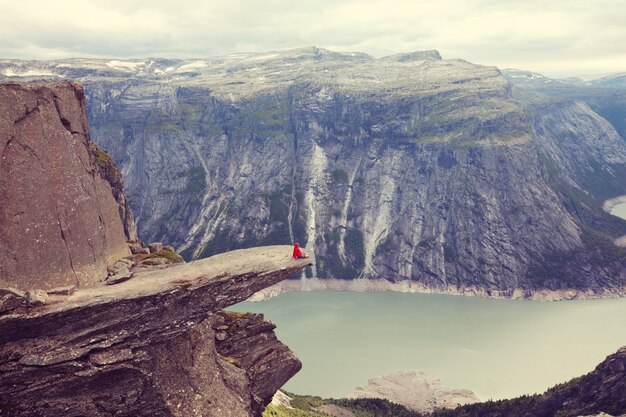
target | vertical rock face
x=59, y=221
x=408, y=168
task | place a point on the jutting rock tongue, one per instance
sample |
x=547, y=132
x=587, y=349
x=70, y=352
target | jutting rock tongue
x=60, y=223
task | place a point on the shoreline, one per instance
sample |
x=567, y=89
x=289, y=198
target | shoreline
x=380, y=285
x=608, y=206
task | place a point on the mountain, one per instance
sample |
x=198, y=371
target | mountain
x=411, y=168
x=605, y=96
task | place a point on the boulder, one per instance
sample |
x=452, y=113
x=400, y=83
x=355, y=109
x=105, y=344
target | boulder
x=155, y=247
x=36, y=297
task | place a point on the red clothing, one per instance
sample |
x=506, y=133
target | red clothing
x=297, y=253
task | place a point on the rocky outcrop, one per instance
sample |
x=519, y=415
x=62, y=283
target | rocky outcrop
x=155, y=345
x=59, y=223
x=410, y=169
x=414, y=390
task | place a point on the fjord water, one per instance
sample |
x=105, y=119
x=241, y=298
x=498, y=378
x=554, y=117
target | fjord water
x=497, y=348
x=619, y=210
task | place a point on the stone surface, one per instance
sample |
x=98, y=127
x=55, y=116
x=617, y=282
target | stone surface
x=9, y=302
x=147, y=346
x=117, y=278
x=414, y=390
x=36, y=297
x=68, y=290
x=135, y=247
x=120, y=267
x=155, y=247
x=59, y=223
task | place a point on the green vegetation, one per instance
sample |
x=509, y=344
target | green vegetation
x=196, y=182
x=106, y=167
x=331, y=264
x=281, y=411
x=168, y=253
x=563, y=270
x=308, y=406
x=305, y=402
x=449, y=254
x=339, y=175
x=586, y=206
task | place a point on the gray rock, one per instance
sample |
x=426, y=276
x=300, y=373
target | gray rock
x=135, y=248
x=414, y=390
x=149, y=337
x=154, y=261
x=116, y=279
x=36, y=297
x=9, y=302
x=121, y=267
x=221, y=336
x=155, y=247
x=12, y=291
x=67, y=290
x=143, y=251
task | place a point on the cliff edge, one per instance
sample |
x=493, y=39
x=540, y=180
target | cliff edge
x=60, y=223
x=156, y=345
x=146, y=342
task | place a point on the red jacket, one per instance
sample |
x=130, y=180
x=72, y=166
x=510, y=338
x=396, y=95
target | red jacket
x=297, y=253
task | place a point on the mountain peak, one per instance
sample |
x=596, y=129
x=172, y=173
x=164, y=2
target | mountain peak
x=430, y=55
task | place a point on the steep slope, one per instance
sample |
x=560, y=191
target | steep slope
x=403, y=168
x=59, y=222
x=606, y=96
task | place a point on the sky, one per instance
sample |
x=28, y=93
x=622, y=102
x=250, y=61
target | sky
x=558, y=38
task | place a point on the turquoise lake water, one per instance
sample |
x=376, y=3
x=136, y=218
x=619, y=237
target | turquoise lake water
x=619, y=210
x=497, y=348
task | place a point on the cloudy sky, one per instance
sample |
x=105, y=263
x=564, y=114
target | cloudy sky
x=559, y=38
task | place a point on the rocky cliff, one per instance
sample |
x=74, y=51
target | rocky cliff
x=152, y=341
x=155, y=345
x=59, y=222
x=408, y=168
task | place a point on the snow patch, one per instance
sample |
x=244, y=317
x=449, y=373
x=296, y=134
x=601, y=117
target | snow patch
x=10, y=72
x=125, y=65
x=190, y=66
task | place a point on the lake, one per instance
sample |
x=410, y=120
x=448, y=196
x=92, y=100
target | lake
x=619, y=210
x=497, y=348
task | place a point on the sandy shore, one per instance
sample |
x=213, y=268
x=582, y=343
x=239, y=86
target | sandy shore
x=367, y=285
x=608, y=207
x=609, y=204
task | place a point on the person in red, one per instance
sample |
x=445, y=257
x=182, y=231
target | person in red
x=297, y=253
